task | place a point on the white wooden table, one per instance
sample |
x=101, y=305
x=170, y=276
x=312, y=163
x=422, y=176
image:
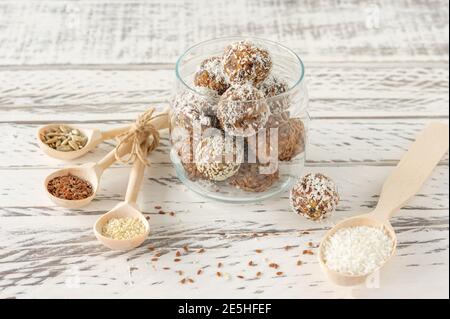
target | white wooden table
x=377, y=73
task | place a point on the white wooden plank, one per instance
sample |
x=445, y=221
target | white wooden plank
x=359, y=186
x=73, y=263
x=86, y=32
x=353, y=90
x=331, y=142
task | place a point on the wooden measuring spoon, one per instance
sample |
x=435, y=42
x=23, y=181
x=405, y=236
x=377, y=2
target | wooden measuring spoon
x=94, y=137
x=92, y=172
x=127, y=208
x=403, y=183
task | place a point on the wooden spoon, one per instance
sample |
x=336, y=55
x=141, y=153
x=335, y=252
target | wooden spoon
x=92, y=172
x=404, y=182
x=94, y=137
x=127, y=208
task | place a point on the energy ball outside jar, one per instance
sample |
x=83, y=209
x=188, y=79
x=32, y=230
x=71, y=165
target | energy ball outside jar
x=244, y=61
x=210, y=75
x=250, y=179
x=272, y=87
x=218, y=158
x=242, y=110
x=315, y=197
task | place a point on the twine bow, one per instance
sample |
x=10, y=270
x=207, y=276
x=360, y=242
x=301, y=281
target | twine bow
x=138, y=134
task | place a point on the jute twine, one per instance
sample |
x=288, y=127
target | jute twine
x=138, y=135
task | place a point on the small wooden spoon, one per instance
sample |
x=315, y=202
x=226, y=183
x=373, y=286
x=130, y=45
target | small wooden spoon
x=90, y=172
x=128, y=208
x=94, y=137
x=404, y=182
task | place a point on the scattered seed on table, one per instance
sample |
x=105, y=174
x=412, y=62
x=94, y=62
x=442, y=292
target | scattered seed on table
x=258, y=251
x=280, y=273
x=201, y=251
x=274, y=265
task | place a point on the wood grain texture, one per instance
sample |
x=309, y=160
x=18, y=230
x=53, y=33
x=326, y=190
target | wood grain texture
x=332, y=142
x=102, y=62
x=45, y=248
x=353, y=90
x=86, y=32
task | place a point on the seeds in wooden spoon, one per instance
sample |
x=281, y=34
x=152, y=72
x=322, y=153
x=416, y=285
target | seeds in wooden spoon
x=64, y=138
x=123, y=228
x=69, y=187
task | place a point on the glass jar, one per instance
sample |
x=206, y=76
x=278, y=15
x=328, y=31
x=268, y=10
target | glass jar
x=233, y=140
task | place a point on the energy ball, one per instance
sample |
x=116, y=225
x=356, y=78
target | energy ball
x=218, y=158
x=242, y=110
x=315, y=197
x=290, y=136
x=272, y=87
x=190, y=108
x=210, y=75
x=186, y=155
x=245, y=62
x=250, y=179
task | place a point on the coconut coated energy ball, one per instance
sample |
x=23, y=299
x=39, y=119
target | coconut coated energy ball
x=315, y=196
x=190, y=108
x=210, y=75
x=242, y=110
x=272, y=87
x=245, y=62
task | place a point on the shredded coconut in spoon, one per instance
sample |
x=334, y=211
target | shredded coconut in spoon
x=357, y=250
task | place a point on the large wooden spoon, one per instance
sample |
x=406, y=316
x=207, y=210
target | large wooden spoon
x=404, y=182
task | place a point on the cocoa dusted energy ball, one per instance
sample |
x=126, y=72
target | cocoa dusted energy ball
x=250, y=179
x=218, y=158
x=244, y=61
x=315, y=197
x=242, y=110
x=210, y=75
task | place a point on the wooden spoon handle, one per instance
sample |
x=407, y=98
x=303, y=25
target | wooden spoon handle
x=110, y=158
x=135, y=180
x=107, y=135
x=413, y=169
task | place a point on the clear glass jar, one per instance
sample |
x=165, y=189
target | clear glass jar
x=245, y=144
